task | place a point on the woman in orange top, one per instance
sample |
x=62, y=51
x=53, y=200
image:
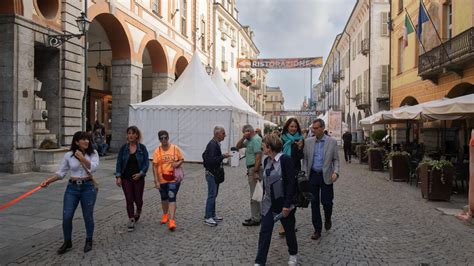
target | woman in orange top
x=166, y=158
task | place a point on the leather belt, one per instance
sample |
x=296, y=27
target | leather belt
x=79, y=181
x=317, y=172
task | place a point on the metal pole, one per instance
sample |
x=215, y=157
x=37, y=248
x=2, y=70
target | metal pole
x=84, y=97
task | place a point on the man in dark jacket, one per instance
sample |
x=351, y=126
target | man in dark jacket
x=347, y=138
x=212, y=160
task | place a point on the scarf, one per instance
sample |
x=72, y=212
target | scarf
x=288, y=140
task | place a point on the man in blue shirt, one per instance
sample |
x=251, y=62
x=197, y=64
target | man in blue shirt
x=321, y=161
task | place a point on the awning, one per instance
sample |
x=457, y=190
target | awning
x=450, y=109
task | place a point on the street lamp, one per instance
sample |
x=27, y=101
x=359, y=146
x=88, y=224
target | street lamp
x=83, y=25
x=99, y=68
x=208, y=69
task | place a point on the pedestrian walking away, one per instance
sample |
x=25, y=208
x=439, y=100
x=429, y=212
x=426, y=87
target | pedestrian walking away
x=293, y=143
x=82, y=160
x=130, y=171
x=253, y=154
x=166, y=158
x=321, y=160
x=279, y=190
x=212, y=161
x=347, y=139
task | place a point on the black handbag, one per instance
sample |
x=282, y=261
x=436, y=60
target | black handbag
x=219, y=174
x=303, y=195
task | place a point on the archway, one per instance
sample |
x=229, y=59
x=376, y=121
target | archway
x=181, y=64
x=109, y=74
x=155, y=67
x=409, y=100
x=460, y=90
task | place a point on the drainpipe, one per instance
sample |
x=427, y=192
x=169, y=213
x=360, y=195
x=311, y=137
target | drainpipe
x=370, y=50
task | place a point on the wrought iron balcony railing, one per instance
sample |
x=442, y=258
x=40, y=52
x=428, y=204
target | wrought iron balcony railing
x=452, y=55
x=362, y=100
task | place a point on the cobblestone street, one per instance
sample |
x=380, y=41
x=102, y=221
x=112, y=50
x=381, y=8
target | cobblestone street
x=375, y=221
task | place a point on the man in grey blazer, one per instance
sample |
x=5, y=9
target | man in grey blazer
x=321, y=163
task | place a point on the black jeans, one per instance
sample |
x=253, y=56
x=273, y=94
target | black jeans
x=347, y=153
x=319, y=188
x=265, y=236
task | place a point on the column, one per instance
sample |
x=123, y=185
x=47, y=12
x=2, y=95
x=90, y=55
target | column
x=126, y=89
x=161, y=82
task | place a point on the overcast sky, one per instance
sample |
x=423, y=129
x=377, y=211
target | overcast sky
x=294, y=28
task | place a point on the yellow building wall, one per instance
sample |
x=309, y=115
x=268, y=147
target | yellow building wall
x=408, y=83
x=463, y=12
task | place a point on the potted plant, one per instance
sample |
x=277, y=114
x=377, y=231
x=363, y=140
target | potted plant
x=436, y=178
x=361, y=152
x=399, y=165
x=376, y=158
x=378, y=135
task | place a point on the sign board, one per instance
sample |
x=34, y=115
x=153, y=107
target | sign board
x=279, y=63
x=291, y=113
x=334, y=126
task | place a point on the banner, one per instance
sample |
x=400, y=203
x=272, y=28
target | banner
x=291, y=113
x=334, y=126
x=277, y=63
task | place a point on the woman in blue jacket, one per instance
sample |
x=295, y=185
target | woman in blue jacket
x=132, y=165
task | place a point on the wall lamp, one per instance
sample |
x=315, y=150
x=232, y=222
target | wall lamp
x=174, y=13
x=83, y=25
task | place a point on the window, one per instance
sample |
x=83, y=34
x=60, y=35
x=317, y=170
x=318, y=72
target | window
x=203, y=35
x=448, y=20
x=384, y=17
x=366, y=81
x=155, y=7
x=274, y=107
x=223, y=54
x=183, y=12
x=366, y=30
x=354, y=89
x=232, y=59
x=401, y=47
x=385, y=77
x=359, y=84
x=359, y=42
x=221, y=24
x=354, y=50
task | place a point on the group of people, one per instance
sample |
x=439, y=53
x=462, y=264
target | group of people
x=275, y=160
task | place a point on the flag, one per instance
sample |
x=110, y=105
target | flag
x=408, y=28
x=422, y=18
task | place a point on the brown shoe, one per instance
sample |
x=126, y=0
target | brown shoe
x=316, y=236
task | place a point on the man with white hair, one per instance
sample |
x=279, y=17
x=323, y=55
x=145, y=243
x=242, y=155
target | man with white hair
x=212, y=161
x=253, y=158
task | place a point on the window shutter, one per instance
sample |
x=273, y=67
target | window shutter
x=384, y=89
x=384, y=31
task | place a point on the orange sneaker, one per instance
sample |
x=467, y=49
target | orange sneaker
x=171, y=225
x=164, y=218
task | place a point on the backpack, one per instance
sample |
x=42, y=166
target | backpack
x=303, y=190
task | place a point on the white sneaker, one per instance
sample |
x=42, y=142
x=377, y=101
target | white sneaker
x=210, y=222
x=218, y=218
x=293, y=260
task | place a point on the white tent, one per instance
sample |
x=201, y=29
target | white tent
x=188, y=110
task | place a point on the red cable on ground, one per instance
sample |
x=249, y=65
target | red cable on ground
x=20, y=198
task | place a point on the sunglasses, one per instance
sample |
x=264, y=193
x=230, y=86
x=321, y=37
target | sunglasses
x=163, y=137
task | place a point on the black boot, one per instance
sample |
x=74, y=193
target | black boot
x=88, y=246
x=65, y=247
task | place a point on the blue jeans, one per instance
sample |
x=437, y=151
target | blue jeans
x=326, y=192
x=169, y=191
x=212, y=190
x=86, y=194
x=265, y=236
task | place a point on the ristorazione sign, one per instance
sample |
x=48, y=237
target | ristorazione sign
x=276, y=63
x=291, y=113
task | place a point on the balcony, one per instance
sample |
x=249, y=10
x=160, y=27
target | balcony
x=362, y=101
x=455, y=56
x=223, y=36
x=246, y=78
x=341, y=74
x=365, y=46
x=233, y=43
x=322, y=95
x=335, y=77
x=225, y=66
x=256, y=85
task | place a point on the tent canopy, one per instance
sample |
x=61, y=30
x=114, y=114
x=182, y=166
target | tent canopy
x=189, y=110
x=446, y=109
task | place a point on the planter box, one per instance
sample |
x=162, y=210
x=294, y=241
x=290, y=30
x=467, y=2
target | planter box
x=399, y=168
x=376, y=160
x=436, y=184
x=362, y=154
x=48, y=160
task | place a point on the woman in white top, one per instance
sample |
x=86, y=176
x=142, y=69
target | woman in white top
x=81, y=160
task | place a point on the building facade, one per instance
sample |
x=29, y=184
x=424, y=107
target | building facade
x=355, y=77
x=436, y=65
x=274, y=102
x=134, y=50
